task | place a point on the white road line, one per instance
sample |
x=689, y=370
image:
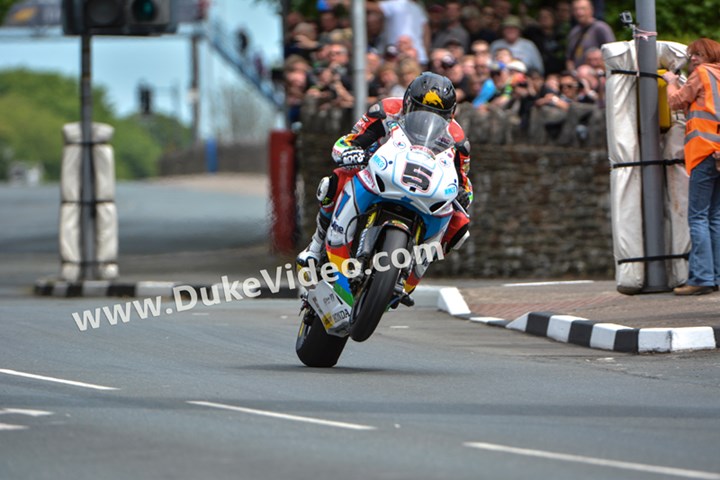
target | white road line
x=7, y=426
x=284, y=416
x=53, y=379
x=543, y=284
x=640, y=467
x=24, y=411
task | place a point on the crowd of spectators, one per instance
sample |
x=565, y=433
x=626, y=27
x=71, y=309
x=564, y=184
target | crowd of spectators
x=499, y=57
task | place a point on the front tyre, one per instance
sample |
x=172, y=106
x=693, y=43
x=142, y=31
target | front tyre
x=314, y=346
x=375, y=296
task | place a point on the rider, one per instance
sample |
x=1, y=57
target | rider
x=429, y=91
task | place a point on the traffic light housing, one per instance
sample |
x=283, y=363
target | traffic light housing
x=119, y=17
x=145, y=99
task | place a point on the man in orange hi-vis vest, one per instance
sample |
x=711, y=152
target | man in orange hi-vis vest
x=700, y=98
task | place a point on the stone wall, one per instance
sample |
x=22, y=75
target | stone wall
x=541, y=210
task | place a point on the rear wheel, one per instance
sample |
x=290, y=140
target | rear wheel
x=314, y=346
x=377, y=293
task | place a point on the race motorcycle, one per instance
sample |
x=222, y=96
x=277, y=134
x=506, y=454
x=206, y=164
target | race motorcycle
x=401, y=203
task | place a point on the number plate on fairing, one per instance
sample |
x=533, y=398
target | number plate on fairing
x=332, y=310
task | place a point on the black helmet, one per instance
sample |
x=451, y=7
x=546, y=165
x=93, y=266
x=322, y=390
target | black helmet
x=431, y=92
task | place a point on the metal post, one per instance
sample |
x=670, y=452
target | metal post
x=653, y=185
x=359, y=29
x=88, y=267
x=195, y=87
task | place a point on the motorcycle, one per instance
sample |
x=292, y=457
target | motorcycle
x=402, y=202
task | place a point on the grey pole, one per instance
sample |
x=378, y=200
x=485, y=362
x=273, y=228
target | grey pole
x=359, y=48
x=653, y=184
x=88, y=270
x=195, y=85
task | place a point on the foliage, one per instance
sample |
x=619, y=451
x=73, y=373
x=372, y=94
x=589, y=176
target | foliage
x=4, y=7
x=36, y=105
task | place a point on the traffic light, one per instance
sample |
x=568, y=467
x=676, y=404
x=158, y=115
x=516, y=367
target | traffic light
x=145, y=100
x=119, y=17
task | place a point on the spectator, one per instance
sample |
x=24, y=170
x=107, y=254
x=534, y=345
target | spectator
x=375, y=21
x=548, y=40
x=698, y=97
x=389, y=82
x=373, y=62
x=523, y=99
x=503, y=55
x=589, y=32
x=468, y=65
x=502, y=9
x=296, y=70
x=471, y=20
x=406, y=49
x=521, y=48
x=487, y=87
x=481, y=50
x=436, y=20
x=405, y=18
x=302, y=41
x=408, y=70
x=332, y=28
x=452, y=27
x=454, y=71
x=592, y=87
x=490, y=26
x=455, y=47
x=333, y=85
x=570, y=90
x=291, y=21
x=502, y=78
x=436, y=57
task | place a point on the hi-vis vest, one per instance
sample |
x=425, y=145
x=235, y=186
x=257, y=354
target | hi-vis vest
x=702, y=131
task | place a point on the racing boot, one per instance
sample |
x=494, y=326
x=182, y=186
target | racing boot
x=315, y=249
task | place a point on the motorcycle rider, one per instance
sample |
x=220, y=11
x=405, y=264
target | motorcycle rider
x=429, y=91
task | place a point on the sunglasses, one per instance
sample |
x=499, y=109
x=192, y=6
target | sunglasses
x=568, y=85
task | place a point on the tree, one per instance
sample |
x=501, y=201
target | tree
x=4, y=7
x=36, y=105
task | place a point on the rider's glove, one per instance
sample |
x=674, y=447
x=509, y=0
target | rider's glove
x=464, y=198
x=352, y=157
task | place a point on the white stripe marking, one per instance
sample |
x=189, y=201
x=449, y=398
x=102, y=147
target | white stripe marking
x=640, y=467
x=284, y=416
x=542, y=284
x=7, y=426
x=24, y=411
x=57, y=380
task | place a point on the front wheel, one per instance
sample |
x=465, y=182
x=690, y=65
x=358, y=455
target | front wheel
x=375, y=296
x=314, y=346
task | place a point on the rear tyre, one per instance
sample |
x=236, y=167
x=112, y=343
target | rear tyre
x=314, y=347
x=376, y=295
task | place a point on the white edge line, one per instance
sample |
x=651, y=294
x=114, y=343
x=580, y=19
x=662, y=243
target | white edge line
x=7, y=426
x=284, y=416
x=641, y=467
x=542, y=284
x=24, y=411
x=56, y=380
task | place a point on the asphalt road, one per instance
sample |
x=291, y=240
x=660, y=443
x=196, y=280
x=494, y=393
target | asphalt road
x=217, y=392
x=165, y=228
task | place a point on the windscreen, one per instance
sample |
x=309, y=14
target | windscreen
x=427, y=129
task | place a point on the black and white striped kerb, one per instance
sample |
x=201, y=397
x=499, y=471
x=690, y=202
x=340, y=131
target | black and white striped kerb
x=610, y=336
x=104, y=288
